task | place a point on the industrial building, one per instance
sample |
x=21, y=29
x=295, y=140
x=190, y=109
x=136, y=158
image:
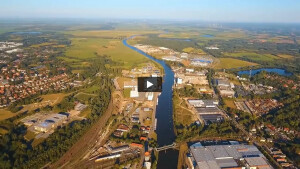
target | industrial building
x=226, y=156
x=210, y=114
x=225, y=88
x=80, y=107
x=51, y=122
x=130, y=84
x=134, y=93
x=223, y=83
x=171, y=58
x=191, y=79
x=117, y=149
x=203, y=103
x=108, y=157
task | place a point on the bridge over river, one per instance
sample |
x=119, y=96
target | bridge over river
x=166, y=147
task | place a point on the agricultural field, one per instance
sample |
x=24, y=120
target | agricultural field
x=285, y=56
x=108, y=34
x=273, y=38
x=253, y=56
x=229, y=63
x=88, y=44
x=205, y=34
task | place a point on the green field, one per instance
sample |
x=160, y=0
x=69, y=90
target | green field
x=5, y=114
x=92, y=89
x=88, y=44
x=197, y=34
x=193, y=50
x=228, y=63
x=253, y=56
x=84, y=97
x=181, y=113
x=126, y=93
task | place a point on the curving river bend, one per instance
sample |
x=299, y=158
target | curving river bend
x=164, y=114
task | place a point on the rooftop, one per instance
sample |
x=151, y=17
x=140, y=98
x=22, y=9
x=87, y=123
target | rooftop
x=220, y=156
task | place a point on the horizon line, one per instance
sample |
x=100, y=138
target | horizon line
x=142, y=19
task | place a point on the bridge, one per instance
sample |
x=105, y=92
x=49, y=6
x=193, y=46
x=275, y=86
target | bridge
x=166, y=147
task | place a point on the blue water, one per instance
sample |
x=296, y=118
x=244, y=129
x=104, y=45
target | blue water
x=273, y=70
x=201, y=60
x=164, y=114
x=207, y=36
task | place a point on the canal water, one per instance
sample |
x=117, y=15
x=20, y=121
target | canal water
x=164, y=114
x=273, y=70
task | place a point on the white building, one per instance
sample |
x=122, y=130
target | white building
x=134, y=93
x=184, y=55
x=189, y=70
x=171, y=58
x=178, y=80
x=149, y=95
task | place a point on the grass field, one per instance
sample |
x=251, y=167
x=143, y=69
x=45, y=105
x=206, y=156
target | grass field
x=197, y=34
x=126, y=93
x=92, y=89
x=49, y=99
x=86, y=44
x=3, y=131
x=193, y=50
x=228, y=63
x=253, y=56
x=285, y=56
x=54, y=97
x=230, y=103
x=121, y=80
x=5, y=114
x=84, y=97
x=85, y=112
x=182, y=115
x=41, y=45
x=108, y=34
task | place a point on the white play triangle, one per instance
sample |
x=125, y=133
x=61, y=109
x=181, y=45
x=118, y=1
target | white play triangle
x=149, y=84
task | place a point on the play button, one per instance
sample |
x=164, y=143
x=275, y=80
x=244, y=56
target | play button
x=149, y=84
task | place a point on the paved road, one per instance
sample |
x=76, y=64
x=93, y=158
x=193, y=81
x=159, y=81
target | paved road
x=253, y=139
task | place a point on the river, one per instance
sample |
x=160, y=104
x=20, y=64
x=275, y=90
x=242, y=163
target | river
x=164, y=114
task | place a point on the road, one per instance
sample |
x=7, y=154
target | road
x=253, y=139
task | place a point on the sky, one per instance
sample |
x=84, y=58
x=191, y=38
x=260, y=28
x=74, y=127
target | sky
x=274, y=11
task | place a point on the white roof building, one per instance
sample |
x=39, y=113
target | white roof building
x=134, y=93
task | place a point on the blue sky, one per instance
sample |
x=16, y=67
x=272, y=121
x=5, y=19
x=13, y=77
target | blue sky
x=202, y=10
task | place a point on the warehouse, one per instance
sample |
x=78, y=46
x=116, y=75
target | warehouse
x=203, y=103
x=210, y=114
x=226, y=156
x=50, y=122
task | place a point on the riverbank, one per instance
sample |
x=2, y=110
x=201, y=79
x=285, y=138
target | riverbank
x=164, y=113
